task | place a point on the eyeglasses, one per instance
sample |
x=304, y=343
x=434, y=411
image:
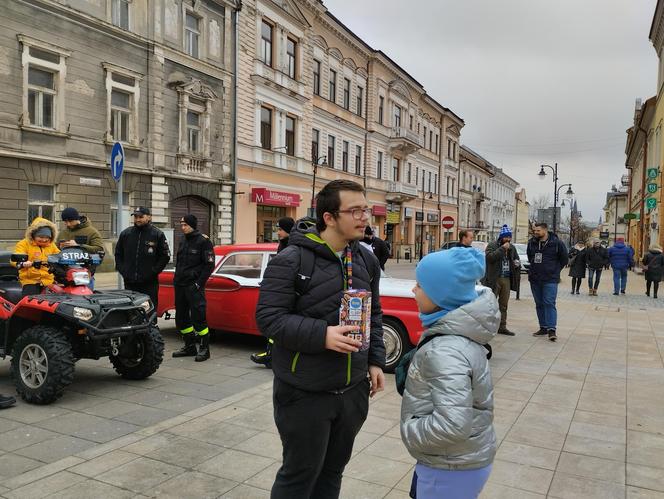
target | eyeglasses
x=358, y=213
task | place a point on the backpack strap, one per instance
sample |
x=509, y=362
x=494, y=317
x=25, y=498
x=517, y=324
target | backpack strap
x=303, y=277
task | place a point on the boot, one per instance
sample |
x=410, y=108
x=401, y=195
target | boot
x=204, y=348
x=189, y=348
x=6, y=401
x=590, y=292
x=595, y=292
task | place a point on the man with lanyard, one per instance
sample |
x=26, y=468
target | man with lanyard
x=322, y=377
x=547, y=256
x=141, y=253
x=193, y=266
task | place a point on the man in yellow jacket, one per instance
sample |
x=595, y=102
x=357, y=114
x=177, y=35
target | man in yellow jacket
x=38, y=244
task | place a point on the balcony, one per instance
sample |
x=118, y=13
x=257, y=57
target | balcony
x=194, y=167
x=278, y=80
x=404, y=141
x=479, y=197
x=624, y=180
x=399, y=192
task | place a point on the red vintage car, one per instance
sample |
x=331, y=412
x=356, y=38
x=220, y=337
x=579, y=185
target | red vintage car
x=232, y=295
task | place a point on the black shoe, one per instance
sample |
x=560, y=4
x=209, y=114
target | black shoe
x=6, y=401
x=189, y=348
x=541, y=332
x=263, y=358
x=204, y=348
x=577, y=291
x=615, y=294
x=647, y=293
x=622, y=292
x=506, y=332
x=572, y=292
x=552, y=335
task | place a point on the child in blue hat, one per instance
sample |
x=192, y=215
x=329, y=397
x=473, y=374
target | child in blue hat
x=447, y=408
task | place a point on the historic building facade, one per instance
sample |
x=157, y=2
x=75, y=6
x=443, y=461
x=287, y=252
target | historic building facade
x=475, y=178
x=157, y=77
x=502, y=191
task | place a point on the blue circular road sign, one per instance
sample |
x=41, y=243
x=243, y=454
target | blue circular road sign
x=117, y=160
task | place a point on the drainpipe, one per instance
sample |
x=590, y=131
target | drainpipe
x=366, y=126
x=235, y=22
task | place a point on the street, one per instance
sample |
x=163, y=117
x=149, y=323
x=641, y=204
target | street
x=583, y=417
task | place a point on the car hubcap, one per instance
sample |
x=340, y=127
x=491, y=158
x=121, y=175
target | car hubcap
x=33, y=366
x=393, y=346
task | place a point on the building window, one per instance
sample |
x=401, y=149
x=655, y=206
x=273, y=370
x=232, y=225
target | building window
x=266, y=128
x=397, y=116
x=437, y=150
x=425, y=137
x=290, y=55
x=315, y=145
x=410, y=122
x=429, y=190
x=316, y=77
x=344, y=156
x=346, y=93
x=409, y=173
x=122, y=88
x=331, y=144
x=290, y=135
x=332, y=87
x=395, y=169
x=359, y=101
x=120, y=13
x=266, y=43
x=430, y=140
x=453, y=186
x=417, y=175
x=191, y=34
x=193, y=132
x=435, y=184
x=447, y=190
x=449, y=148
x=454, y=150
x=41, y=97
x=381, y=107
x=120, y=113
x=379, y=165
x=40, y=202
x=358, y=160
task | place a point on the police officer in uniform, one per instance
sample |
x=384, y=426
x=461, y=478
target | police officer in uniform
x=141, y=254
x=193, y=265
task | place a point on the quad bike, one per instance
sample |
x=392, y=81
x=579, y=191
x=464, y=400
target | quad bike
x=46, y=334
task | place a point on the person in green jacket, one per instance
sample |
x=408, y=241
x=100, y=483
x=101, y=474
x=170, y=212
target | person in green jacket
x=80, y=232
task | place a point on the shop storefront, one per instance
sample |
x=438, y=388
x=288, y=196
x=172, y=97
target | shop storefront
x=272, y=205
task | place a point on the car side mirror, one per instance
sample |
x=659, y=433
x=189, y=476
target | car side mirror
x=18, y=258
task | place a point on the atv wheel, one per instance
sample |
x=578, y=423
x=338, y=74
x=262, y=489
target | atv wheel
x=42, y=364
x=146, y=358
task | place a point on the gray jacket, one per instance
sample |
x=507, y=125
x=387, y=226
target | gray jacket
x=447, y=407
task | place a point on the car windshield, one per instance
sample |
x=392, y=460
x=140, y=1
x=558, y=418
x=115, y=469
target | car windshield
x=521, y=248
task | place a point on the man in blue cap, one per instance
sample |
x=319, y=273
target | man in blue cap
x=502, y=272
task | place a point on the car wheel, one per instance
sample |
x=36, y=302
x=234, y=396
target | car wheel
x=42, y=364
x=140, y=358
x=397, y=343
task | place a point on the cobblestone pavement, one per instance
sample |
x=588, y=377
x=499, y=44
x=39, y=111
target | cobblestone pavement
x=580, y=418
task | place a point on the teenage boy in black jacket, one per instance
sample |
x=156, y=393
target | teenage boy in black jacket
x=322, y=377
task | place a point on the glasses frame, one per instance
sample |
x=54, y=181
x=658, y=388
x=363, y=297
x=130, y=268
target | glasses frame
x=357, y=213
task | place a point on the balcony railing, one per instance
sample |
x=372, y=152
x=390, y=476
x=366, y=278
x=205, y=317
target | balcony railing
x=194, y=167
x=404, y=140
x=399, y=192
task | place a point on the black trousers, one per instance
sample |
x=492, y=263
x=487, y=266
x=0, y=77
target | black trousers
x=576, y=283
x=150, y=288
x=317, y=432
x=190, y=309
x=31, y=289
x=655, y=285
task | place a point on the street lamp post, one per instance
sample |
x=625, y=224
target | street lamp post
x=422, y=226
x=556, y=190
x=315, y=163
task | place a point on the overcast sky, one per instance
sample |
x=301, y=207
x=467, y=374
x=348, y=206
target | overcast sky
x=536, y=81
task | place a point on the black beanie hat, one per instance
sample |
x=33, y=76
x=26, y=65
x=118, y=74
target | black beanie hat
x=69, y=214
x=286, y=224
x=368, y=231
x=190, y=220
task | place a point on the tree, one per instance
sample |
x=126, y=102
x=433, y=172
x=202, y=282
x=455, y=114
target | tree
x=539, y=203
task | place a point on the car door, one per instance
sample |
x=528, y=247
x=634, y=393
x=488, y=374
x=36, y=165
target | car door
x=232, y=292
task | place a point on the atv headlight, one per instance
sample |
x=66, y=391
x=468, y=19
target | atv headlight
x=84, y=314
x=146, y=305
x=81, y=278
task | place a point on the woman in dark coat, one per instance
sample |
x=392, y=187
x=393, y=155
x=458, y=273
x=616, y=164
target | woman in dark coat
x=577, y=266
x=653, y=263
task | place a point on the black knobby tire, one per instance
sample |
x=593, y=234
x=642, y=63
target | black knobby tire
x=151, y=353
x=58, y=360
x=397, y=343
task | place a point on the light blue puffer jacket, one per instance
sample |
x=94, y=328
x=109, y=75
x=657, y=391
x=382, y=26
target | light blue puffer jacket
x=447, y=407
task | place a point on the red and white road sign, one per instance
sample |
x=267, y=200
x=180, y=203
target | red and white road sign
x=448, y=222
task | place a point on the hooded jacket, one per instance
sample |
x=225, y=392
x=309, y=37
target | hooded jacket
x=447, y=407
x=597, y=257
x=298, y=324
x=85, y=235
x=554, y=259
x=621, y=256
x=577, y=262
x=28, y=246
x=494, y=261
x=655, y=263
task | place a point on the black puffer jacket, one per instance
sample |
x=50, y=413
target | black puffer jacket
x=553, y=260
x=141, y=253
x=298, y=325
x=577, y=263
x=597, y=257
x=194, y=261
x=654, y=260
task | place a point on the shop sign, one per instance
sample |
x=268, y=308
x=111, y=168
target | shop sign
x=432, y=217
x=379, y=210
x=652, y=188
x=408, y=212
x=260, y=195
x=604, y=234
x=651, y=203
x=393, y=217
x=94, y=182
x=652, y=172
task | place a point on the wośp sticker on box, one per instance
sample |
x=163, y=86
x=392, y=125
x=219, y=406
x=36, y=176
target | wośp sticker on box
x=355, y=310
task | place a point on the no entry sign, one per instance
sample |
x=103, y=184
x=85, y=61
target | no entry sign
x=448, y=222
